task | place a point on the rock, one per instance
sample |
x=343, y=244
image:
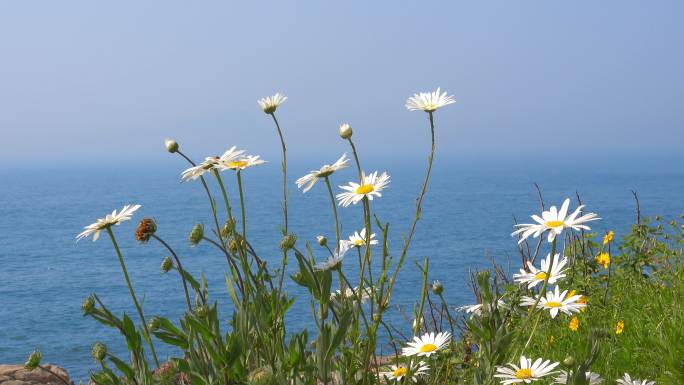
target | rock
x=17, y=375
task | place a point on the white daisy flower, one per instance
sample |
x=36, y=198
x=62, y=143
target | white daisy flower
x=429, y=101
x=371, y=187
x=526, y=372
x=397, y=372
x=535, y=276
x=197, y=171
x=241, y=163
x=555, y=221
x=477, y=309
x=270, y=103
x=351, y=293
x=334, y=260
x=627, y=380
x=593, y=378
x=310, y=179
x=112, y=219
x=359, y=239
x=556, y=301
x=426, y=345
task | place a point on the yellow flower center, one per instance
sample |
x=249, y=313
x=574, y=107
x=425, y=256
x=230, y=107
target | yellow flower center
x=554, y=223
x=237, y=164
x=540, y=275
x=523, y=374
x=553, y=304
x=400, y=371
x=428, y=348
x=358, y=242
x=365, y=189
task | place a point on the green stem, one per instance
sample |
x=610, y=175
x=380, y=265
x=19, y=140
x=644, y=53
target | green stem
x=284, y=164
x=541, y=293
x=135, y=300
x=334, y=208
x=242, y=205
x=224, y=193
x=180, y=270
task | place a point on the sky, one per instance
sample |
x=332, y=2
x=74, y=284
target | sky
x=552, y=82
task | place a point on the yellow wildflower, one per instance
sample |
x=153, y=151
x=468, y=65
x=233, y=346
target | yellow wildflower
x=574, y=324
x=552, y=339
x=608, y=237
x=619, y=327
x=603, y=259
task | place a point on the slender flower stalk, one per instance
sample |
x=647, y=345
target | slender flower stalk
x=284, y=165
x=133, y=296
x=334, y=208
x=179, y=266
x=242, y=205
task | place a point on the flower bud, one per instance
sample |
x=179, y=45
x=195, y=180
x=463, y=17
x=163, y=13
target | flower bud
x=228, y=228
x=322, y=240
x=196, y=234
x=171, y=145
x=99, y=351
x=658, y=217
x=146, y=229
x=569, y=361
x=166, y=265
x=346, y=131
x=437, y=287
x=377, y=317
x=288, y=242
x=154, y=323
x=201, y=311
x=33, y=360
x=233, y=246
x=88, y=305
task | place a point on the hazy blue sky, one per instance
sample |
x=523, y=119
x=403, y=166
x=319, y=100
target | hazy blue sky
x=107, y=82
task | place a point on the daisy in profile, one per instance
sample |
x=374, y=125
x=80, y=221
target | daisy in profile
x=535, y=276
x=426, y=345
x=241, y=163
x=477, y=309
x=334, y=261
x=197, y=171
x=310, y=179
x=526, y=372
x=270, y=103
x=371, y=187
x=359, y=239
x=397, y=372
x=627, y=380
x=349, y=292
x=429, y=101
x=109, y=220
x=592, y=378
x=556, y=301
x=555, y=221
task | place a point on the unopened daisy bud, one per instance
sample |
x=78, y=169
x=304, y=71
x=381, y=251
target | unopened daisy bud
x=228, y=228
x=346, y=131
x=154, y=323
x=196, y=234
x=146, y=229
x=171, y=145
x=569, y=361
x=88, y=305
x=658, y=217
x=166, y=265
x=99, y=351
x=288, y=242
x=233, y=246
x=201, y=311
x=437, y=287
x=33, y=360
x=322, y=240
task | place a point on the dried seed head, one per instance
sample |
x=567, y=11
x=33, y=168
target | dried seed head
x=99, y=351
x=346, y=131
x=166, y=265
x=196, y=234
x=146, y=229
x=171, y=145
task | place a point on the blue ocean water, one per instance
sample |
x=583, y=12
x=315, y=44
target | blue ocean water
x=467, y=221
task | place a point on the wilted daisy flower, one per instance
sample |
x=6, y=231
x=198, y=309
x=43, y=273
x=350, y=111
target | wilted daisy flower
x=555, y=221
x=535, y=276
x=627, y=380
x=429, y=101
x=593, y=378
x=109, y=220
x=270, y=104
x=477, y=309
x=310, y=179
x=426, y=345
x=197, y=171
x=397, y=372
x=556, y=301
x=526, y=372
x=351, y=293
x=359, y=239
x=241, y=162
x=371, y=187
x=334, y=260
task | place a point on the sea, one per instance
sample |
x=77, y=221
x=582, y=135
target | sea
x=467, y=219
